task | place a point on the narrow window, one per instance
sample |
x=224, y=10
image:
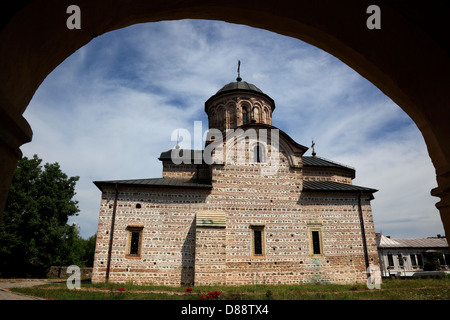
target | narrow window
x=134, y=242
x=315, y=239
x=257, y=241
x=244, y=115
x=257, y=238
x=134, y=246
x=258, y=153
x=413, y=259
x=316, y=242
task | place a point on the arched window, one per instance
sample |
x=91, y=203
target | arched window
x=244, y=115
x=259, y=153
x=256, y=115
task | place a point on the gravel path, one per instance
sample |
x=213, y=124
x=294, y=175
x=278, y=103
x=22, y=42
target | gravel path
x=6, y=284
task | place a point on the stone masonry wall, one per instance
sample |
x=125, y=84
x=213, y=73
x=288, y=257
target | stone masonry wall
x=338, y=215
x=168, y=242
x=176, y=252
x=210, y=258
x=326, y=174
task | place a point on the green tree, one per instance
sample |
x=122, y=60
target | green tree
x=77, y=251
x=89, y=251
x=34, y=233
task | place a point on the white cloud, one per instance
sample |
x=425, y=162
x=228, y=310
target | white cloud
x=110, y=109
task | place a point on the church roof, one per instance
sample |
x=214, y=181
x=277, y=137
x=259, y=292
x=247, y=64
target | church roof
x=321, y=162
x=154, y=182
x=239, y=85
x=328, y=186
x=314, y=161
x=194, y=154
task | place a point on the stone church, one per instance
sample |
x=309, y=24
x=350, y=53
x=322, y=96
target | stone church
x=251, y=208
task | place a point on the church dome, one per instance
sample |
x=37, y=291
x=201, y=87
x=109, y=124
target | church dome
x=239, y=85
x=238, y=103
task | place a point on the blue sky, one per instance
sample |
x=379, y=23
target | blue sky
x=109, y=110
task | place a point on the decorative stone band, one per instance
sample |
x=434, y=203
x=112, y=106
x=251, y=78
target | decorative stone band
x=209, y=219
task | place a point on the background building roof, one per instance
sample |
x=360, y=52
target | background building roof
x=385, y=242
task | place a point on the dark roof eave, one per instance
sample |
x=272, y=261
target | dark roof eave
x=332, y=186
x=119, y=183
x=167, y=155
x=371, y=191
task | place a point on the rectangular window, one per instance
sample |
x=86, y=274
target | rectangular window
x=419, y=259
x=258, y=246
x=315, y=240
x=134, y=246
x=390, y=260
x=259, y=152
x=413, y=260
x=134, y=242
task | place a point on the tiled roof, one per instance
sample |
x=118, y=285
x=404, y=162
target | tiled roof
x=155, y=182
x=334, y=186
x=385, y=242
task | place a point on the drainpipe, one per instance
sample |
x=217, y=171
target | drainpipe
x=111, y=236
x=363, y=233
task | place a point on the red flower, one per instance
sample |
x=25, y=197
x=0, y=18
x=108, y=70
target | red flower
x=188, y=290
x=121, y=289
x=211, y=295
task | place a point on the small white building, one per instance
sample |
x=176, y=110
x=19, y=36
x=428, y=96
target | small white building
x=407, y=257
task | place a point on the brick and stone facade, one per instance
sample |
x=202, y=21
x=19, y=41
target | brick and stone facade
x=236, y=220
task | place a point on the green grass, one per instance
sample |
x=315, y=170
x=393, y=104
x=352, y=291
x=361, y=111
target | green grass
x=391, y=289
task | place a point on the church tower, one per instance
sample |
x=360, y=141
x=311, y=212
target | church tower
x=238, y=103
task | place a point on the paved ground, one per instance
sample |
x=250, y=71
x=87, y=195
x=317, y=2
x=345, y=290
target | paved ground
x=6, y=284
